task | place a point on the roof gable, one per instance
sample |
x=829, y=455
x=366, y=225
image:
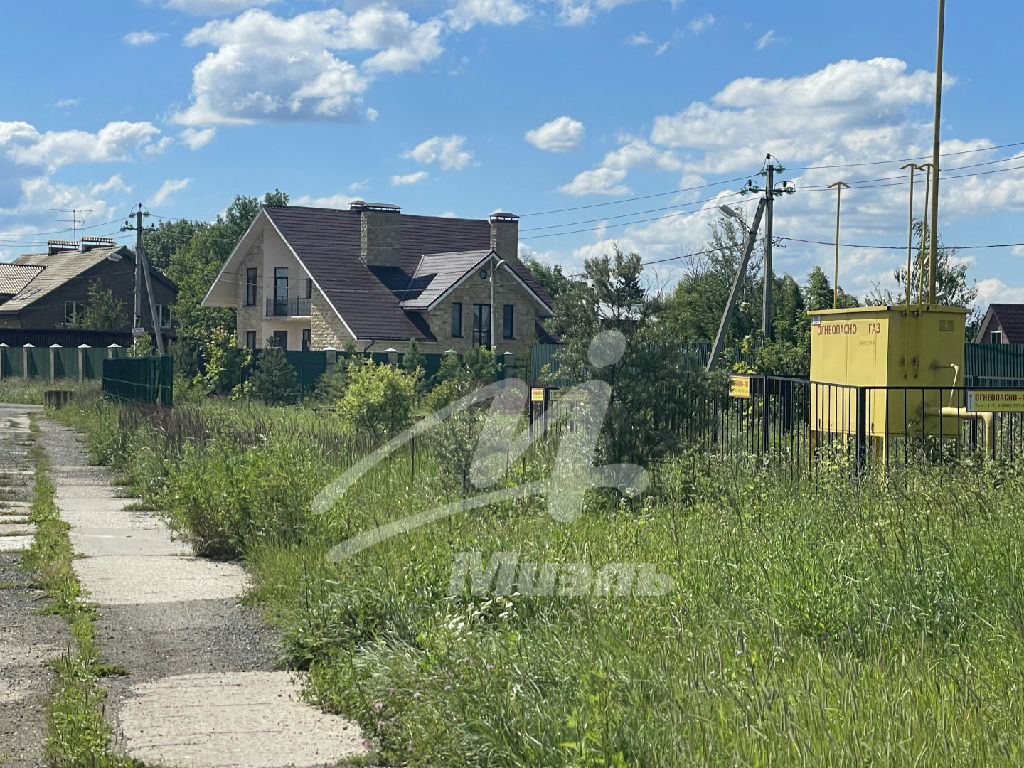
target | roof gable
x=1010, y=318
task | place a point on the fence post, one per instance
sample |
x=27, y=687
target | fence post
x=81, y=361
x=330, y=358
x=53, y=361
x=392, y=354
x=24, y=359
x=861, y=437
x=765, y=415
x=3, y=354
x=507, y=358
x=112, y=350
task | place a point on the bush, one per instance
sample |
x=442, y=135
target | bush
x=379, y=399
x=274, y=381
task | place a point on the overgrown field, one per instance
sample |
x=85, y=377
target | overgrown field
x=816, y=622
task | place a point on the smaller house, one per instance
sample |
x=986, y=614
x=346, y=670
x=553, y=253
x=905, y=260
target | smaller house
x=42, y=291
x=1003, y=324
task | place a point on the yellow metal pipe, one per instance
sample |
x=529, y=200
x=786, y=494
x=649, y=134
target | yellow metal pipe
x=935, y=154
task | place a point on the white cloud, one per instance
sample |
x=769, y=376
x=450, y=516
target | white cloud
x=637, y=153
x=407, y=179
x=167, y=190
x=114, y=184
x=214, y=7
x=598, y=181
x=270, y=69
x=573, y=13
x=66, y=103
x=117, y=141
x=558, y=135
x=468, y=13
x=197, y=138
x=701, y=23
x=992, y=290
x=143, y=37
x=766, y=39
x=841, y=109
x=639, y=38
x=446, y=151
x=340, y=200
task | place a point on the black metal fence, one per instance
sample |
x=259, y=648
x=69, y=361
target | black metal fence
x=799, y=423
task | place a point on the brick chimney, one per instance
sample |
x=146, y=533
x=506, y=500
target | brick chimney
x=505, y=234
x=380, y=233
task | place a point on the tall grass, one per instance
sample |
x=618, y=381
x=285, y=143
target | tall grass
x=821, y=621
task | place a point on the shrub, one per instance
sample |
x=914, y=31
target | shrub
x=274, y=381
x=379, y=399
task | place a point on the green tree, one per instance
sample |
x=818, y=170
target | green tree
x=223, y=363
x=818, y=293
x=553, y=280
x=195, y=266
x=103, y=311
x=652, y=392
x=274, y=380
x=952, y=288
x=168, y=238
x=379, y=399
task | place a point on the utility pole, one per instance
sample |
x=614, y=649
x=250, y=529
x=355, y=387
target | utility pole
x=142, y=268
x=494, y=268
x=741, y=270
x=770, y=193
x=839, y=187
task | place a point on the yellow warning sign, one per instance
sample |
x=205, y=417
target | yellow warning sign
x=1002, y=400
x=739, y=386
x=537, y=394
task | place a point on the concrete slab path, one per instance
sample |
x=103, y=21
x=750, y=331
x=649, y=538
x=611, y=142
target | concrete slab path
x=202, y=690
x=28, y=640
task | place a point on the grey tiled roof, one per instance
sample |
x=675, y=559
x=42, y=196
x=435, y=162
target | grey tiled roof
x=436, y=273
x=14, y=277
x=327, y=241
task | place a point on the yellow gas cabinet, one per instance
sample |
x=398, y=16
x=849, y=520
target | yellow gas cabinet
x=901, y=347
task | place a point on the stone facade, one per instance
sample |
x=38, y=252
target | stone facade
x=475, y=290
x=328, y=330
x=380, y=236
x=266, y=253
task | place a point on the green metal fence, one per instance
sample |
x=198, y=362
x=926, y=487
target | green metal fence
x=994, y=365
x=146, y=379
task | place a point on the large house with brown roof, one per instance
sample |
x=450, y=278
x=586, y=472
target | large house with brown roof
x=45, y=291
x=375, y=277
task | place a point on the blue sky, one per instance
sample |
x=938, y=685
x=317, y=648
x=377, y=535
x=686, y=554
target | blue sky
x=560, y=110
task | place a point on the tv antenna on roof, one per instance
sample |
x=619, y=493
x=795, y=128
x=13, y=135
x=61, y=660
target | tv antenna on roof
x=75, y=221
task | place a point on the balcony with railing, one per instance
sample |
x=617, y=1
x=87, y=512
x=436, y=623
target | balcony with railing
x=288, y=307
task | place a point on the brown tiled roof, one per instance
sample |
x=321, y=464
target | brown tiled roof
x=54, y=270
x=14, y=277
x=1011, y=318
x=327, y=241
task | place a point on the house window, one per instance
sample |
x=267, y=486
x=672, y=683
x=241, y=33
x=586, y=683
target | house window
x=309, y=289
x=250, y=286
x=507, y=324
x=164, y=313
x=280, y=291
x=307, y=339
x=250, y=339
x=281, y=337
x=456, y=319
x=73, y=311
x=996, y=337
x=482, y=325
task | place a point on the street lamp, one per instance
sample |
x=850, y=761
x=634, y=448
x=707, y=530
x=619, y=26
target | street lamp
x=494, y=268
x=732, y=213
